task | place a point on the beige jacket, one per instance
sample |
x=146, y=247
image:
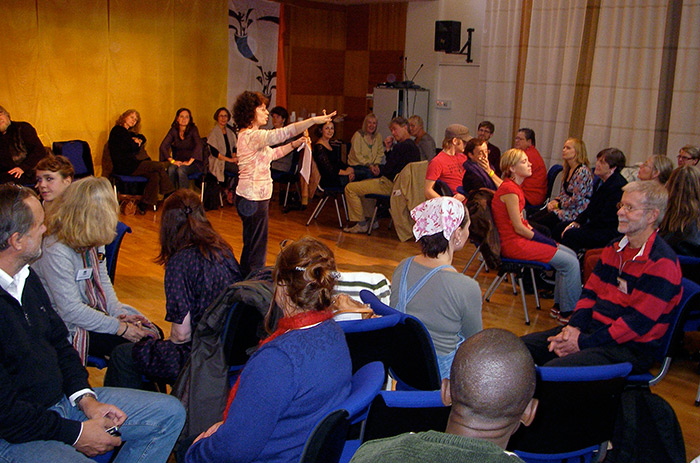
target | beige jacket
x=408, y=192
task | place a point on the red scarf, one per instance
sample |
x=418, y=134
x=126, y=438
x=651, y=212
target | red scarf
x=285, y=324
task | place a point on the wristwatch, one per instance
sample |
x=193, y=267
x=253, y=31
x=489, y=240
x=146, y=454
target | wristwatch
x=82, y=396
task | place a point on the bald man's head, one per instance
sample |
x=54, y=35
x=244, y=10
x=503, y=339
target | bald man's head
x=493, y=376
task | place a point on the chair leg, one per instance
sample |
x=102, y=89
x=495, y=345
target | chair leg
x=522, y=295
x=317, y=211
x=345, y=207
x=337, y=211
x=481, y=267
x=697, y=397
x=534, y=287
x=471, y=259
x=371, y=222
x=201, y=194
x=494, y=285
x=512, y=282
x=286, y=195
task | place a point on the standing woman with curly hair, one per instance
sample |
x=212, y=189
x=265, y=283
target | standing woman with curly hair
x=254, y=179
x=299, y=373
x=182, y=148
x=199, y=265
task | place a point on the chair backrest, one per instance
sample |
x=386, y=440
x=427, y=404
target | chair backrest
x=325, y=443
x=78, y=153
x=554, y=180
x=578, y=456
x=577, y=408
x=112, y=249
x=678, y=316
x=396, y=412
x=241, y=332
x=398, y=340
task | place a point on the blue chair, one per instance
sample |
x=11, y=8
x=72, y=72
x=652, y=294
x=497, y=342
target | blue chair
x=516, y=267
x=673, y=334
x=112, y=249
x=397, y=412
x=198, y=177
x=129, y=184
x=398, y=340
x=579, y=456
x=327, y=193
x=552, y=175
x=576, y=412
x=106, y=457
x=328, y=441
x=78, y=153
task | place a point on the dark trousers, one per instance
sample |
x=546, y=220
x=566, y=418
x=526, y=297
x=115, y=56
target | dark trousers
x=26, y=179
x=157, y=177
x=537, y=344
x=588, y=238
x=102, y=344
x=121, y=369
x=254, y=217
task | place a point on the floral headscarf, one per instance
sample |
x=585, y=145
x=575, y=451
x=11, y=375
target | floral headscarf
x=443, y=214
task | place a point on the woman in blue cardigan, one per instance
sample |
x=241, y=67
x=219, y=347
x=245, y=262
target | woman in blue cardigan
x=300, y=373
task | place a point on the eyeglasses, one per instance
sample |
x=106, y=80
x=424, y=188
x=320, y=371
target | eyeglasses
x=628, y=208
x=685, y=158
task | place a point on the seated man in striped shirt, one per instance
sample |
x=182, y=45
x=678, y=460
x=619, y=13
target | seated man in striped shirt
x=626, y=304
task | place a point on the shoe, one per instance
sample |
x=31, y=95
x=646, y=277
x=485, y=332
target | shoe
x=563, y=319
x=545, y=293
x=357, y=228
x=554, y=311
x=141, y=208
x=375, y=225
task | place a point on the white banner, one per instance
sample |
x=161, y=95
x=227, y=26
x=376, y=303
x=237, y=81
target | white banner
x=252, y=58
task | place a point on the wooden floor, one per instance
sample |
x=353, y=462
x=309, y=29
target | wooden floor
x=139, y=282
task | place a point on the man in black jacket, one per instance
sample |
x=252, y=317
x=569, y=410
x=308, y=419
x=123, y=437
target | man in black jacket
x=400, y=149
x=48, y=411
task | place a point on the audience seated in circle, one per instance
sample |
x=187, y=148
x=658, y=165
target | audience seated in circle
x=72, y=268
x=535, y=186
x=520, y=241
x=448, y=165
x=199, y=265
x=400, y=150
x=299, y=373
x=626, y=304
x=334, y=172
x=50, y=412
x=423, y=140
x=182, y=148
x=20, y=150
x=128, y=154
x=53, y=175
x=596, y=226
x=491, y=392
x=366, y=150
x=222, y=146
x=657, y=167
x=478, y=171
x=428, y=287
x=575, y=193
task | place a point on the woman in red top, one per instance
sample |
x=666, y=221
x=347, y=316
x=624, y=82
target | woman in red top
x=520, y=241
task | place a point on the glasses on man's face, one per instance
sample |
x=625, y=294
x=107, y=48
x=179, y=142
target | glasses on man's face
x=629, y=208
x=684, y=158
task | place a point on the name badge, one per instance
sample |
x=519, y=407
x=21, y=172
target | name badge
x=83, y=274
x=622, y=285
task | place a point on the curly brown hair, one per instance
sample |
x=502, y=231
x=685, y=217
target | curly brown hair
x=120, y=120
x=244, y=108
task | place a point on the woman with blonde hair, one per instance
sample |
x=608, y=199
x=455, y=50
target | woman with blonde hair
x=575, y=192
x=520, y=241
x=656, y=167
x=366, y=151
x=72, y=268
x=299, y=373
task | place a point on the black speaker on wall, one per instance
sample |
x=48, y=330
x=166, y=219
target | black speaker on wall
x=448, y=35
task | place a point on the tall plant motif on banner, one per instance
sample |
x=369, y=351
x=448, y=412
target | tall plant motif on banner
x=241, y=30
x=265, y=79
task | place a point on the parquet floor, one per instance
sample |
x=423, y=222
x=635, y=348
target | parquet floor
x=139, y=282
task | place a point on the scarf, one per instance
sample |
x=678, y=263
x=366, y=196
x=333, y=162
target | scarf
x=96, y=299
x=284, y=325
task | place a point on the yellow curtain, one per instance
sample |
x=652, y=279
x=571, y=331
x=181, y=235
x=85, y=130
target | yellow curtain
x=70, y=67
